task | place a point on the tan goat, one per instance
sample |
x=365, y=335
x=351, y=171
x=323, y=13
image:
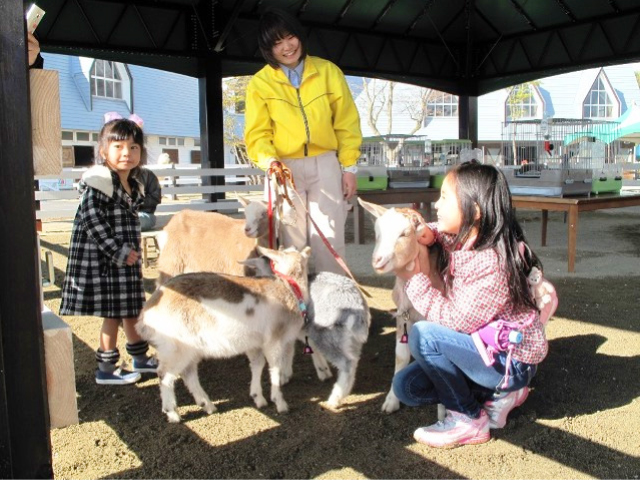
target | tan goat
x=196, y=241
x=397, y=231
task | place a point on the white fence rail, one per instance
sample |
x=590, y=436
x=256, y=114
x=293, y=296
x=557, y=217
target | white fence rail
x=176, y=181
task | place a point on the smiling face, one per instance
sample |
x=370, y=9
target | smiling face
x=448, y=207
x=287, y=51
x=122, y=156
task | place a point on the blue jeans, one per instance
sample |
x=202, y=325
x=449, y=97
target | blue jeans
x=448, y=369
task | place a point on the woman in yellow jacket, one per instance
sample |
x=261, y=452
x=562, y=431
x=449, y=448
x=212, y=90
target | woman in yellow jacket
x=299, y=111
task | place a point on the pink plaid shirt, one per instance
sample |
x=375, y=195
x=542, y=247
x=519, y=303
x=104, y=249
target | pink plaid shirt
x=478, y=295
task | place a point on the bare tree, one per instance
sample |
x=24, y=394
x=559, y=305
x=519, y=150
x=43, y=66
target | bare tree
x=517, y=108
x=382, y=95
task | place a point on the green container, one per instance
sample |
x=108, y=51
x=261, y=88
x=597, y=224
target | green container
x=372, y=178
x=606, y=184
x=437, y=179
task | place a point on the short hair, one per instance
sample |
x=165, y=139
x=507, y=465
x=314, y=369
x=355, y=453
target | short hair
x=117, y=131
x=276, y=24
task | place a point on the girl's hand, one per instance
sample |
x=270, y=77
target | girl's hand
x=132, y=258
x=349, y=185
x=420, y=265
x=427, y=238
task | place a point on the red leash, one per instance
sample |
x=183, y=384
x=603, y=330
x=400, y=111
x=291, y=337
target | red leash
x=281, y=174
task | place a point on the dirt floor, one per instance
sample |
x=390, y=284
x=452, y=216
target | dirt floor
x=581, y=420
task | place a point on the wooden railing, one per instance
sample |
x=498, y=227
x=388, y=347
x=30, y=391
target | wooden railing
x=178, y=181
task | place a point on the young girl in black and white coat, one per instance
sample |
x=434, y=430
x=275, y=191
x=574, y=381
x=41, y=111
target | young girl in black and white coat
x=104, y=272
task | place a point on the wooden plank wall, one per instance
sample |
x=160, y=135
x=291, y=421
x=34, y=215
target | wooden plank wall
x=178, y=182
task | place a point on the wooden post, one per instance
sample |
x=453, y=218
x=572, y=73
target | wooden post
x=211, y=123
x=468, y=119
x=61, y=374
x=25, y=448
x=45, y=122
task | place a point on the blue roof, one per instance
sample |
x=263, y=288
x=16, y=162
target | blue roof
x=167, y=102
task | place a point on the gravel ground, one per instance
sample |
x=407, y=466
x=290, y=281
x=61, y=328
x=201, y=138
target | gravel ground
x=580, y=421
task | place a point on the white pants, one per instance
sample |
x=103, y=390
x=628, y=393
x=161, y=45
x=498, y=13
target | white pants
x=318, y=183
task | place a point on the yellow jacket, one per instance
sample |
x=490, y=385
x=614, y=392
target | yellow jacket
x=284, y=122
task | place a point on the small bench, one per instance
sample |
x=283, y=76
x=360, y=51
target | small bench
x=149, y=239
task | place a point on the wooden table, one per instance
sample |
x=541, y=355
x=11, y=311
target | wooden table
x=416, y=196
x=573, y=206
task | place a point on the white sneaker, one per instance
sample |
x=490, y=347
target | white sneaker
x=456, y=429
x=499, y=409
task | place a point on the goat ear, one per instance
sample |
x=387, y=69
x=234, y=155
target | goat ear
x=267, y=252
x=374, y=209
x=243, y=201
x=306, y=252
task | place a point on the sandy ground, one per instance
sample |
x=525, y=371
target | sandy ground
x=581, y=420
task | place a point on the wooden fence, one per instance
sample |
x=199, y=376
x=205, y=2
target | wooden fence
x=178, y=181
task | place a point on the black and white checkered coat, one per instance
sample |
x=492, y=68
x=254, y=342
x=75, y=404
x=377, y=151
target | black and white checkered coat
x=105, y=230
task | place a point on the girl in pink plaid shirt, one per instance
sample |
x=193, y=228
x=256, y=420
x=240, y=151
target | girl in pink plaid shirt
x=485, y=279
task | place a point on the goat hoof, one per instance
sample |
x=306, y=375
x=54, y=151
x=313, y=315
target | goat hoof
x=282, y=408
x=391, y=405
x=260, y=401
x=209, y=408
x=173, y=417
x=324, y=374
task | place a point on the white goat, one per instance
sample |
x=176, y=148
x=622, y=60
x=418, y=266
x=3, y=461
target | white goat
x=196, y=241
x=337, y=326
x=210, y=315
x=397, y=231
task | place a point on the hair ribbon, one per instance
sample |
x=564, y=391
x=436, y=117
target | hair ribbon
x=110, y=116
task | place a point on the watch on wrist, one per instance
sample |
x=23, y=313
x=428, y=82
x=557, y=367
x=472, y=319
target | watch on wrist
x=351, y=169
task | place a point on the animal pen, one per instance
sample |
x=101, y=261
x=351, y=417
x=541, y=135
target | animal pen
x=446, y=154
x=561, y=156
x=396, y=161
x=411, y=161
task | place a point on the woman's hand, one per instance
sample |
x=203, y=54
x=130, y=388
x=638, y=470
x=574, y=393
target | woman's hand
x=349, y=185
x=34, y=48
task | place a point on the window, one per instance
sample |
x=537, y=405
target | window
x=106, y=80
x=67, y=135
x=598, y=103
x=522, y=103
x=441, y=104
x=196, y=156
x=83, y=156
x=196, y=142
x=82, y=136
x=173, y=141
x=173, y=154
